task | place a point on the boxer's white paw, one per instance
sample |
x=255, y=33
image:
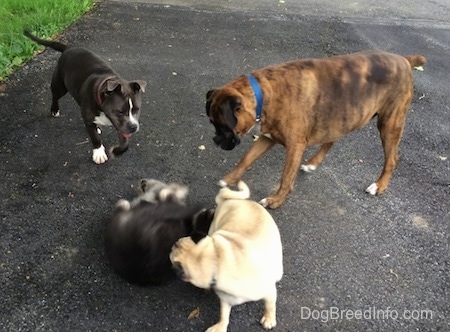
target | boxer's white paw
x=264, y=202
x=99, y=155
x=57, y=114
x=372, y=189
x=308, y=168
x=222, y=184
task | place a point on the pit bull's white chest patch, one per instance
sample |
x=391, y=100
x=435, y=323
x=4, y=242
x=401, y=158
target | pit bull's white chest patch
x=102, y=120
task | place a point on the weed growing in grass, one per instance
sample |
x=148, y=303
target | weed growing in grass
x=46, y=18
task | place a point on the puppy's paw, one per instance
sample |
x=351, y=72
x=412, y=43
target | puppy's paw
x=176, y=192
x=372, y=189
x=123, y=204
x=99, y=155
x=57, y=114
x=268, y=321
x=308, y=168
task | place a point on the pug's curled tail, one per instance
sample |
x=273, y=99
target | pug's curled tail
x=224, y=194
x=49, y=43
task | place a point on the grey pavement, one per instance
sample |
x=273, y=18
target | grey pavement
x=352, y=262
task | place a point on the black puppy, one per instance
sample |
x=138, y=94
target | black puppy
x=140, y=235
x=104, y=97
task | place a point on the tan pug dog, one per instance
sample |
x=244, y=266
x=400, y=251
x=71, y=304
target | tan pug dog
x=241, y=258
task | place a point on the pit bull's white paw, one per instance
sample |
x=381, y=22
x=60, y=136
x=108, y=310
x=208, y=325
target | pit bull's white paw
x=222, y=184
x=57, y=114
x=264, y=202
x=268, y=322
x=372, y=189
x=99, y=155
x=308, y=168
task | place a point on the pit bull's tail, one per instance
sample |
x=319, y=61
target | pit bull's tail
x=52, y=44
x=227, y=193
x=416, y=60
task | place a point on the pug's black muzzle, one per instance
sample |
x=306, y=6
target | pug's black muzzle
x=179, y=271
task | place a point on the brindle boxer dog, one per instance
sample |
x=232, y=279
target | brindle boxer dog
x=314, y=101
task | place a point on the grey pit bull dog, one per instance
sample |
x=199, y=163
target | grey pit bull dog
x=104, y=97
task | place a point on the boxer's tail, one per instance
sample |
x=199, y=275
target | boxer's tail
x=227, y=193
x=52, y=44
x=416, y=60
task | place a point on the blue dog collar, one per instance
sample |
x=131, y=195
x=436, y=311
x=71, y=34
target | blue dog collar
x=258, y=95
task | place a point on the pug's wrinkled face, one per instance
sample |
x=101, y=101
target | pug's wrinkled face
x=192, y=263
x=180, y=257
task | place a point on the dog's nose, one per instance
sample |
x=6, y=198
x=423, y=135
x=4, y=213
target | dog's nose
x=133, y=127
x=230, y=144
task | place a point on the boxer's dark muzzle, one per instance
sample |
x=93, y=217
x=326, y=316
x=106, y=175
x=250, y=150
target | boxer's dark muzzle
x=226, y=138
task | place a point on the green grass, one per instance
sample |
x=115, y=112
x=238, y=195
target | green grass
x=45, y=18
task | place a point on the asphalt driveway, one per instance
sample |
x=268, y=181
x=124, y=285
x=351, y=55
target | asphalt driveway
x=352, y=262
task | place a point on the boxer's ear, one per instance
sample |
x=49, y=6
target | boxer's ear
x=208, y=101
x=209, y=93
x=229, y=107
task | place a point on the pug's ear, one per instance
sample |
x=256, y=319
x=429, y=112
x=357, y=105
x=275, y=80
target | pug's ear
x=229, y=107
x=201, y=224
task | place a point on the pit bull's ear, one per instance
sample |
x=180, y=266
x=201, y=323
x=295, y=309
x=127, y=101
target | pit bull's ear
x=138, y=85
x=112, y=85
x=229, y=107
